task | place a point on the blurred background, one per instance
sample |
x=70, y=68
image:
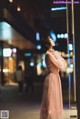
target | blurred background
x=21, y=25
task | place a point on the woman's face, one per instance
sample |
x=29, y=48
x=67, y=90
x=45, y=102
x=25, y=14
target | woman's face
x=51, y=41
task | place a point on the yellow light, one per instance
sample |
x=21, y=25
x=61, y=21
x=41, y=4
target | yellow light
x=11, y=1
x=71, y=54
x=63, y=54
x=18, y=9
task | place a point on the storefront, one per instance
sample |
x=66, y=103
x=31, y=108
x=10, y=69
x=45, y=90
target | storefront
x=7, y=63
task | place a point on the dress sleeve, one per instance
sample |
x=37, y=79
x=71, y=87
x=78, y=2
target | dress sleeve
x=57, y=60
x=61, y=61
x=53, y=59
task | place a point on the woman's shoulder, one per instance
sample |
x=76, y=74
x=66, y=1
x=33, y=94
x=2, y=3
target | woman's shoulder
x=47, y=53
x=50, y=52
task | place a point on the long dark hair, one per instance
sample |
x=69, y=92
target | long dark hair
x=46, y=42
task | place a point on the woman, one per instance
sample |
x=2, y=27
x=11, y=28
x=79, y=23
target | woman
x=52, y=104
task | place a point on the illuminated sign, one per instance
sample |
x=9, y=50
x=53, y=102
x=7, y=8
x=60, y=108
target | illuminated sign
x=7, y=52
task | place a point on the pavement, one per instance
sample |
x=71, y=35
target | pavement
x=27, y=105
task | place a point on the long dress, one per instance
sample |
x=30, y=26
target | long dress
x=52, y=103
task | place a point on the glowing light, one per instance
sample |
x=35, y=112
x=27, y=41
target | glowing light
x=58, y=8
x=58, y=36
x=53, y=36
x=39, y=71
x=11, y=1
x=7, y=52
x=18, y=9
x=62, y=35
x=5, y=31
x=70, y=47
x=65, y=35
x=39, y=47
x=43, y=60
x=14, y=50
x=69, y=70
x=37, y=36
x=6, y=34
x=71, y=65
x=63, y=54
x=31, y=64
x=6, y=70
x=28, y=54
x=5, y=24
x=71, y=54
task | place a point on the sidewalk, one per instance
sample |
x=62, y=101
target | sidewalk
x=26, y=106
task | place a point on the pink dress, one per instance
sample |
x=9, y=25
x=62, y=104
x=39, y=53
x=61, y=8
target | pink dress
x=52, y=104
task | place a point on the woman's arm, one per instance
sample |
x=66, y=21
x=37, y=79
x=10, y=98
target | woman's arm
x=53, y=59
x=61, y=61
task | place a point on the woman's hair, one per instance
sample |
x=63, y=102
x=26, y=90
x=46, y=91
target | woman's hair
x=46, y=44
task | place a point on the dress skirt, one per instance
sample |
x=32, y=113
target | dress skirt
x=52, y=104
